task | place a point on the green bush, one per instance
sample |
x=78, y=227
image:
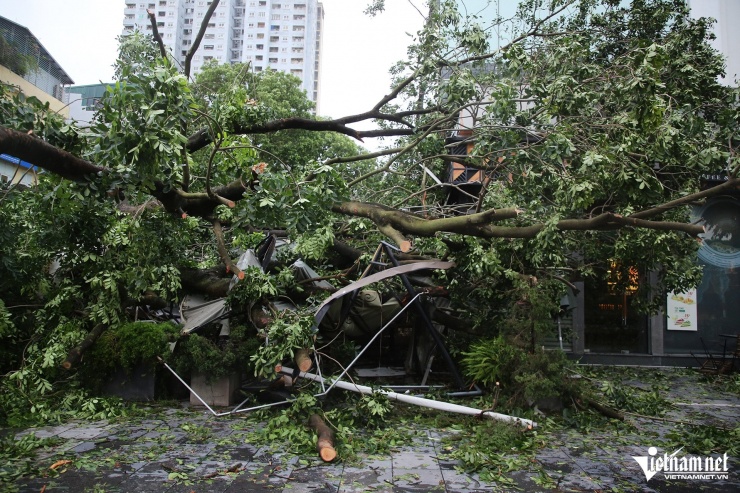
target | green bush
x=213, y=356
x=522, y=377
x=492, y=360
x=125, y=347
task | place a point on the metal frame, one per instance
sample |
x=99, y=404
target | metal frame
x=415, y=301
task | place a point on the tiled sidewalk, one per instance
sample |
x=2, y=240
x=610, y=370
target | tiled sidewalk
x=157, y=455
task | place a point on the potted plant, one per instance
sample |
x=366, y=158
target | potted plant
x=214, y=363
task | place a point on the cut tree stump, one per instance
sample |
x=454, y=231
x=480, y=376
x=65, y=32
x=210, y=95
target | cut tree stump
x=303, y=359
x=325, y=440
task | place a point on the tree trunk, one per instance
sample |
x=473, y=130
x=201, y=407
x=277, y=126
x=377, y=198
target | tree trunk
x=325, y=441
x=75, y=354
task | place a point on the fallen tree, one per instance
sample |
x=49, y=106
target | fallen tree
x=590, y=145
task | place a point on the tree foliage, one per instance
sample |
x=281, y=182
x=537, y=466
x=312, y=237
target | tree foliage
x=593, y=126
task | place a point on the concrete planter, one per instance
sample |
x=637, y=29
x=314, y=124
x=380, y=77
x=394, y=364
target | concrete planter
x=219, y=392
x=138, y=384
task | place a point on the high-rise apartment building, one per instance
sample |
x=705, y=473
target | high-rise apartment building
x=282, y=35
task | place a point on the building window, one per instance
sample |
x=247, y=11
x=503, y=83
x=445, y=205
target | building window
x=273, y=60
x=260, y=35
x=207, y=47
x=273, y=49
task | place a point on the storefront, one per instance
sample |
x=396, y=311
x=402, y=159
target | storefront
x=607, y=329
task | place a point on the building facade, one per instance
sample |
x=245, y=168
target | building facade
x=283, y=35
x=29, y=68
x=83, y=102
x=27, y=65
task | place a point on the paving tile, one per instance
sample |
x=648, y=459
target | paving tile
x=314, y=480
x=356, y=479
x=82, y=432
x=45, y=432
x=411, y=459
x=418, y=479
x=84, y=447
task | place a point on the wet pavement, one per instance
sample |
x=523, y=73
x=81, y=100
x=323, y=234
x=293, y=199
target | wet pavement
x=186, y=449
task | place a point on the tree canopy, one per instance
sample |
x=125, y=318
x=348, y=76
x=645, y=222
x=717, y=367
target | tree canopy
x=593, y=127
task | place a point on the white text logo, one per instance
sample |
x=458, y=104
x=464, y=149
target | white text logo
x=685, y=467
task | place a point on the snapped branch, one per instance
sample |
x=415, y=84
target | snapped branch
x=155, y=33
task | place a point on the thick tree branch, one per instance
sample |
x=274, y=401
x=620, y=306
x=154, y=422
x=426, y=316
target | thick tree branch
x=223, y=252
x=38, y=152
x=202, y=137
x=155, y=33
x=732, y=183
x=209, y=281
x=75, y=354
x=199, y=37
x=481, y=224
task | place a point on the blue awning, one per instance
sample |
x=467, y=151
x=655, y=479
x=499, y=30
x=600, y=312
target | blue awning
x=17, y=162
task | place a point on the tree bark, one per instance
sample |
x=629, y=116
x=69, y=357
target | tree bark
x=75, y=354
x=325, y=440
x=208, y=282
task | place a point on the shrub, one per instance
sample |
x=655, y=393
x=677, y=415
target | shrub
x=126, y=347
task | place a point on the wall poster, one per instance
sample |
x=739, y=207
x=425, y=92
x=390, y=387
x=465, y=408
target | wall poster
x=682, y=311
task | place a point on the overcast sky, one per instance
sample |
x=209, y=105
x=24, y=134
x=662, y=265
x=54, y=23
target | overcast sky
x=358, y=50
